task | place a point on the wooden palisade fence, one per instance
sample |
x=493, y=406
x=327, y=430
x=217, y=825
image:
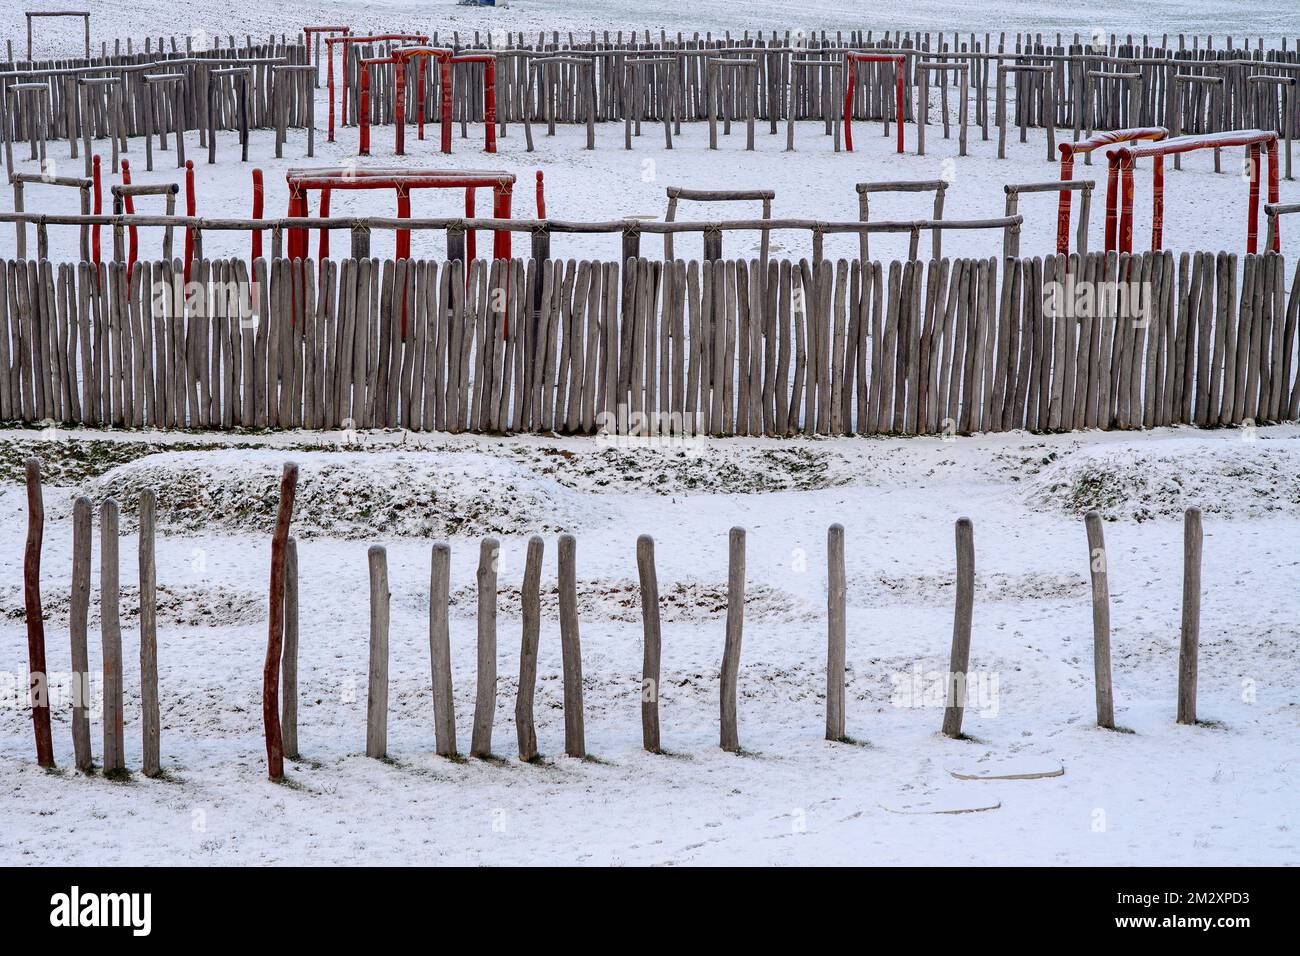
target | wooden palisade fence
x=1180, y=83
x=281, y=664
x=720, y=348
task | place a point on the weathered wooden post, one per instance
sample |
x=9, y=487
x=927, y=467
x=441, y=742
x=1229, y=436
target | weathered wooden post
x=730, y=738
x=1190, y=643
x=961, y=628
x=485, y=701
x=150, y=719
x=575, y=744
x=289, y=658
x=530, y=601
x=1100, y=620
x=377, y=698
x=78, y=615
x=38, y=683
x=645, y=565
x=835, y=588
x=110, y=630
x=275, y=626
x=444, y=707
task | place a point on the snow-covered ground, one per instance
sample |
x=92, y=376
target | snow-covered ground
x=1243, y=19
x=1218, y=793
x=1222, y=792
x=1203, y=210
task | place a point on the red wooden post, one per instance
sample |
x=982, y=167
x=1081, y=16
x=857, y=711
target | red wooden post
x=399, y=106
x=1126, y=202
x=849, y=86
x=1272, y=191
x=501, y=197
x=1063, y=205
x=1112, y=183
x=38, y=685
x=403, y=212
x=275, y=627
x=1157, y=203
x=323, y=246
x=363, y=110
x=258, y=195
x=1252, y=209
x=899, y=70
x=128, y=206
x=471, y=239
x=444, y=106
x=99, y=208
x=189, y=211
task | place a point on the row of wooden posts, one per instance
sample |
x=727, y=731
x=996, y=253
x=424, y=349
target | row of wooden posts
x=280, y=673
x=119, y=97
x=1079, y=89
x=655, y=349
x=1066, y=85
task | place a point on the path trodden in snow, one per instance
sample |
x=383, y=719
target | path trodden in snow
x=944, y=801
x=1019, y=767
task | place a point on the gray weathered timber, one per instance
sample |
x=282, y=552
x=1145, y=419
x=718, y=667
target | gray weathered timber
x=959, y=660
x=1099, y=572
x=149, y=711
x=377, y=698
x=485, y=700
x=651, y=643
x=729, y=738
x=530, y=601
x=575, y=743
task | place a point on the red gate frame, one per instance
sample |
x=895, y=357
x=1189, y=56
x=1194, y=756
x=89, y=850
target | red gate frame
x=128, y=207
x=1121, y=163
x=851, y=57
x=307, y=35
x=345, y=40
x=444, y=56
x=399, y=93
x=402, y=181
x=1069, y=150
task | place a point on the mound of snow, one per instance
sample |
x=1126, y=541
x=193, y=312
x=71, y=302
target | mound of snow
x=346, y=495
x=620, y=600
x=1145, y=480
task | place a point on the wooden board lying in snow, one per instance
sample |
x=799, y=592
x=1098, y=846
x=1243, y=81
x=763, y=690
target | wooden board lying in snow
x=948, y=802
x=1008, y=768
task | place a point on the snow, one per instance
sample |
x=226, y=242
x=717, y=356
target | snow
x=1160, y=793
x=1242, y=19
x=1217, y=793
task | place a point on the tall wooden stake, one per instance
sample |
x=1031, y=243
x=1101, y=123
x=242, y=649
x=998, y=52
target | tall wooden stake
x=110, y=630
x=444, y=706
x=289, y=657
x=729, y=735
x=150, y=718
x=835, y=588
x=961, y=628
x=38, y=684
x=530, y=600
x=275, y=626
x=1190, y=643
x=377, y=699
x=485, y=700
x=645, y=564
x=575, y=740
x=78, y=615
x=1100, y=620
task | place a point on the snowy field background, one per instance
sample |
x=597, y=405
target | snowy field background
x=1218, y=793
x=1271, y=19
